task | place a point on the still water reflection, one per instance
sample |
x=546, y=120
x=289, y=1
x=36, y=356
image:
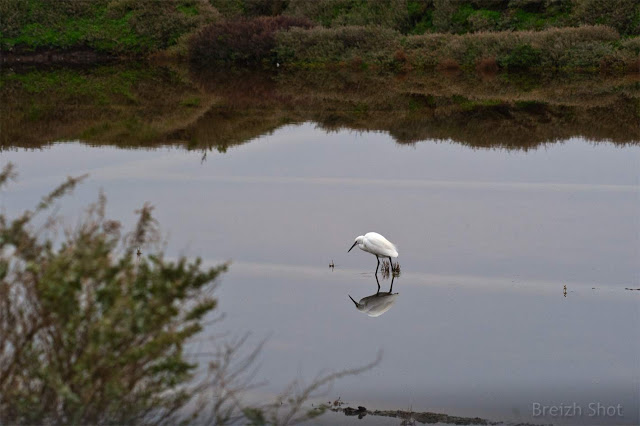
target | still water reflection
x=488, y=240
x=379, y=302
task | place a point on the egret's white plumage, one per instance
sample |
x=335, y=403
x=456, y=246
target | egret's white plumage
x=376, y=304
x=376, y=244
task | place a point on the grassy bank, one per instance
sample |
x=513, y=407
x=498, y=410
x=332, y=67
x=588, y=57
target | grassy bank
x=398, y=35
x=487, y=35
x=587, y=48
x=118, y=27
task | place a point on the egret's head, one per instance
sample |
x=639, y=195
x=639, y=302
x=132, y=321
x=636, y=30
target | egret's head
x=358, y=306
x=358, y=241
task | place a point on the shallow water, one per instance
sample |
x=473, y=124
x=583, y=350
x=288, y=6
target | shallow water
x=488, y=238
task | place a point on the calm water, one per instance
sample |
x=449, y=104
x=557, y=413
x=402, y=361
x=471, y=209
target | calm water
x=487, y=240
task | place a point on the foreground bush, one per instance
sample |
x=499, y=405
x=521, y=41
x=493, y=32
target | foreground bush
x=241, y=41
x=92, y=332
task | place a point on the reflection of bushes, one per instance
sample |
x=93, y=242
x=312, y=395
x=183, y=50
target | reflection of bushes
x=150, y=107
x=241, y=41
x=135, y=104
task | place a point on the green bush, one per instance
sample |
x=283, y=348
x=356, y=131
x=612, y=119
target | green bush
x=552, y=49
x=117, y=26
x=241, y=41
x=484, y=20
x=323, y=45
x=92, y=330
x=334, y=13
x=523, y=57
x=623, y=15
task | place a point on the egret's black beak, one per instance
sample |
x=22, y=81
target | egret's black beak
x=354, y=244
x=353, y=301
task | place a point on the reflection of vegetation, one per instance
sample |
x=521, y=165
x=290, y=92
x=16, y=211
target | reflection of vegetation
x=491, y=111
x=133, y=105
x=144, y=106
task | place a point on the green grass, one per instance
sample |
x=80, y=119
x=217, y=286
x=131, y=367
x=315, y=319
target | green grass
x=461, y=16
x=99, y=31
x=191, y=102
x=529, y=20
x=114, y=26
x=188, y=10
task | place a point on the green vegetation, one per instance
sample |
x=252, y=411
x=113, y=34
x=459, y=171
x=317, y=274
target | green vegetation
x=353, y=33
x=582, y=49
x=109, y=26
x=91, y=330
x=241, y=41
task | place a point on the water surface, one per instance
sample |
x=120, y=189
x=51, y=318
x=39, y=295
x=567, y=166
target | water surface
x=488, y=238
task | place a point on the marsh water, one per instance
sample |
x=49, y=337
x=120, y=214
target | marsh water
x=516, y=219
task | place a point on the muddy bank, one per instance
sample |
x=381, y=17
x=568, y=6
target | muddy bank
x=57, y=57
x=411, y=418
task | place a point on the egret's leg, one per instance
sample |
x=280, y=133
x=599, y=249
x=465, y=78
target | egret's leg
x=378, y=259
x=393, y=277
x=378, y=284
x=391, y=265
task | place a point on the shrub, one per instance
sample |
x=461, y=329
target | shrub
x=523, y=57
x=550, y=49
x=321, y=45
x=334, y=13
x=484, y=20
x=132, y=26
x=623, y=15
x=92, y=332
x=443, y=14
x=487, y=65
x=241, y=41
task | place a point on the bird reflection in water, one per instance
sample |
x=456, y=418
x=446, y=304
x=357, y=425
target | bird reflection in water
x=378, y=303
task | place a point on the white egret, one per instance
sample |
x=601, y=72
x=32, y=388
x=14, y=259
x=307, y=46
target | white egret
x=376, y=244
